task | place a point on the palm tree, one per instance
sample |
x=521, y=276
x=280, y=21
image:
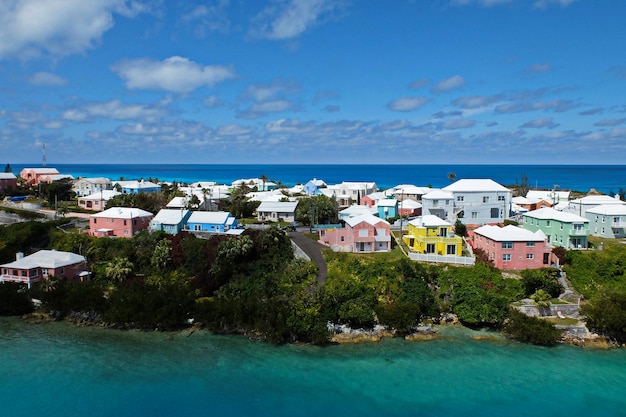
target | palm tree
x=118, y=269
x=264, y=179
x=542, y=300
x=451, y=176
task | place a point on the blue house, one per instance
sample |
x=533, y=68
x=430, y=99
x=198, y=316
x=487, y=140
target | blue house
x=211, y=221
x=136, y=187
x=387, y=208
x=312, y=187
x=170, y=221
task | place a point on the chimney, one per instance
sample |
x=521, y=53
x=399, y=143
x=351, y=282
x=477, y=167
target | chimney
x=19, y=255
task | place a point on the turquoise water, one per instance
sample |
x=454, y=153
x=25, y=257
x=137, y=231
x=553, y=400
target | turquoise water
x=59, y=370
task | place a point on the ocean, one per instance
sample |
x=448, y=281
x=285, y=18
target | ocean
x=604, y=178
x=57, y=369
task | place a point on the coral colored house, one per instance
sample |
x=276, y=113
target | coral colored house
x=364, y=233
x=31, y=176
x=8, y=180
x=42, y=265
x=119, y=222
x=513, y=248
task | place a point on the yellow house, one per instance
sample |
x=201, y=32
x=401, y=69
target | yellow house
x=430, y=234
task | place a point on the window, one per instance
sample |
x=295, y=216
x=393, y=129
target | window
x=530, y=244
x=548, y=223
x=126, y=232
x=363, y=233
x=506, y=257
x=435, y=202
x=451, y=250
x=197, y=227
x=507, y=245
x=343, y=238
x=430, y=248
x=474, y=214
x=561, y=226
x=530, y=256
x=485, y=199
x=124, y=222
x=460, y=198
x=501, y=198
x=95, y=221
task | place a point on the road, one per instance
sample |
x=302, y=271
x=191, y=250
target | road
x=313, y=249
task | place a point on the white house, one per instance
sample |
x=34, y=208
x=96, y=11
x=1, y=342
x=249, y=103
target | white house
x=277, y=211
x=479, y=201
x=580, y=205
x=607, y=221
x=439, y=203
x=87, y=186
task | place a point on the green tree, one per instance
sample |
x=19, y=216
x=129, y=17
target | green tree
x=8, y=168
x=460, y=228
x=542, y=300
x=606, y=314
x=161, y=256
x=118, y=269
x=533, y=330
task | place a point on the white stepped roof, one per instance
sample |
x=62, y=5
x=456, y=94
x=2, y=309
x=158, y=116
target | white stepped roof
x=46, y=259
x=469, y=185
x=510, y=233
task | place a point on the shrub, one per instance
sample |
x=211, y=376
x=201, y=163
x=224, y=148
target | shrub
x=528, y=329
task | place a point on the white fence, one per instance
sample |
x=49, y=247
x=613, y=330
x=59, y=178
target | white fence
x=446, y=259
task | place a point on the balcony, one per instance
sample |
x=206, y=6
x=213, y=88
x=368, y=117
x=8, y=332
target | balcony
x=578, y=232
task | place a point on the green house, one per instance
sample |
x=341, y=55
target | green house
x=561, y=229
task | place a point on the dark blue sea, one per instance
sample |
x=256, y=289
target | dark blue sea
x=58, y=370
x=604, y=178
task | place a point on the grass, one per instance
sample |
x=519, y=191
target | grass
x=567, y=321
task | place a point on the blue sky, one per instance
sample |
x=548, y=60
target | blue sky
x=313, y=81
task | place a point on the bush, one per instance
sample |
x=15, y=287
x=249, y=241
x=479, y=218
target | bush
x=541, y=279
x=14, y=300
x=606, y=314
x=528, y=329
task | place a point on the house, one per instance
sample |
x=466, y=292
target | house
x=478, y=201
x=50, y=178
x=364, y=233
x=580, y=205
x=552, y=196
x=252, y=183
x=530, y=204
x=408, y=191
x=277, y=211
x=348, y=192
x=607, y=221
x=211, y=221
x=8, y=180
x=430, y=234
x=438, y=203
x=371, y=200
x=513, y=248
x=387, y=208
x=31, y=175
x=356, y=210
x=119, y=222
x=42, y=265
x=136, y=187
x=409, y=208
x=561, y=229
x=170, y=221
x=97, y=201
x=87, y=186
x=312, y=186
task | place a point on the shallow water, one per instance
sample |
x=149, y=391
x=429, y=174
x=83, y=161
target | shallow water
x=60, y=370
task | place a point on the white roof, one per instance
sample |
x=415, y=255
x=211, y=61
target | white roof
x=137, y=184
x=411, y=189
x=123, y=213
x=469, y=185
x=387, y=202
x=548, y=195
x=609, y=210
x=548, y=213
x=7, y=176
x=428, y=220
x=409, y=204
x=46, y=259
x=95, y=180
x=597, y=200
x=42, y=170
x=378, y=195
x=438, y=195
x=101, y=195
x=356, y=210
x=510, y=233
x=57, y=177
x=367, y=218
x=178, y=202
x=169, y=216
x=278, y=206
x=209, y=217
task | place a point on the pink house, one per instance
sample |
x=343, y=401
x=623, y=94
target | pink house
x=7, y=180
x=513, y=248
x=31, y=176
x=364, y=233
x=42, y=265
x=119, y=222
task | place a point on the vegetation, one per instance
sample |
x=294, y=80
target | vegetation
x=606, y=314
x=318, y=209
x=545, y=279
x=528, y=329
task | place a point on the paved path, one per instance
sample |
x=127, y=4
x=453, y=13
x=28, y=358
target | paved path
x=314, y=251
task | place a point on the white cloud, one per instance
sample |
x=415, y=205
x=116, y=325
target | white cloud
x=113, y=109
x=234, y=130
x=610, y=122
x=458, y=124
x=212, y=101
x=30, y=28
x=263, y=92
x=175, y=74
x=54, y=124
x=207, y=18
x=485, y=3
x=47, y=79
x=448, y=84
x=543, y=4
x=476, y=102
x=408, y=103
x=274, y=106
x=539, y=123
x=289, y=19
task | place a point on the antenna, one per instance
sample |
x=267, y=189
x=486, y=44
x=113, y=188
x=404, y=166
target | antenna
x=43, y=147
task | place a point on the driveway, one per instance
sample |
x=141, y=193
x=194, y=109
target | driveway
x=313, y=249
